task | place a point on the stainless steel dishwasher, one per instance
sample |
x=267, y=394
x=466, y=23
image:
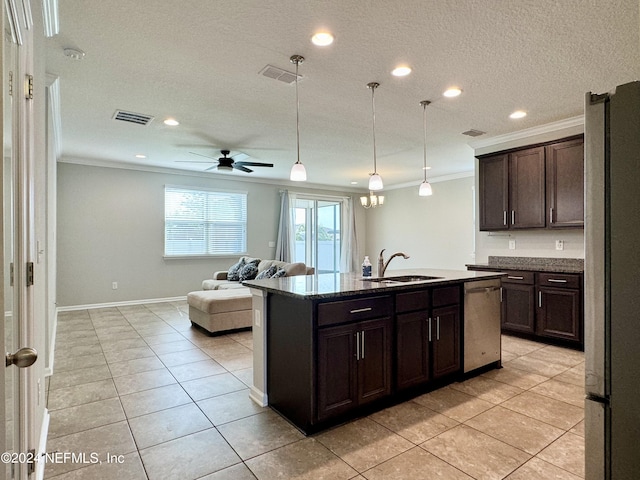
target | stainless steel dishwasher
x=481, y=323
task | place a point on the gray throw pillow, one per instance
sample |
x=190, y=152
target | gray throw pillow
x=234, y=271
x=249, y=271
x=267, y=272
x=280, y=273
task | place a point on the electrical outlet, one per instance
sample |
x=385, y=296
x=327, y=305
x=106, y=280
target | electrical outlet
x=512, y=244
x=559, y=244
x=272, y=244
x=114, y=285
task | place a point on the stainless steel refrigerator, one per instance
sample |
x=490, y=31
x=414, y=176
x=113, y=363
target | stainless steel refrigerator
x=612, y=284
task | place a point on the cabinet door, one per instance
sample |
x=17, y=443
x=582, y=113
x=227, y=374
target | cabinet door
x=559, y=313
x=445, y=340
x=337, y=374
x=374, y=364
x=412, y=349
x=493, y=175
x=527, y=188
x=518, y=308
x=565, y=184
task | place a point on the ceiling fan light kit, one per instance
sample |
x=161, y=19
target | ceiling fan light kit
x=298, y=172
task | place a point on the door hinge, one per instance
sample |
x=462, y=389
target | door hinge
x=10, y=83
x=31, y=466
x=29, y=274
x=29, y=89
x=11, y=274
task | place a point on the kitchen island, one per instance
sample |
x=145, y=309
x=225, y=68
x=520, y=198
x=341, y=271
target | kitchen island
x=329, y=347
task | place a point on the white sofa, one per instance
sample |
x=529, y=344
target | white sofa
x=223, y=305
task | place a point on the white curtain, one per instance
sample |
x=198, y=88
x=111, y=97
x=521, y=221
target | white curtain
x=286, y=228
x=349, y=256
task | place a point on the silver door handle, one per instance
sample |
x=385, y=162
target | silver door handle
x=429, y=328
x=437, y=328
x=25, y=357
x=556, y=280
x=359, y=310
x=357, y=345
x=362, y=337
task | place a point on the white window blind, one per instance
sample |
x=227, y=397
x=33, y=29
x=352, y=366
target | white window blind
x=204, y=222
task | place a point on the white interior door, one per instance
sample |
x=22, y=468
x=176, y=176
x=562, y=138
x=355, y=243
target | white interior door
x=18, y=382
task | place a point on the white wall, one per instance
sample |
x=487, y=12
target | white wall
x=435, y=231
x=111, y=229
x=529, y=243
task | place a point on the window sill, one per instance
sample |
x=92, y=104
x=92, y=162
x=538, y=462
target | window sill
x=201, y=257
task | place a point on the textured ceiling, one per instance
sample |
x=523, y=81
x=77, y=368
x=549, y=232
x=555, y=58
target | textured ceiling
x=198, y=61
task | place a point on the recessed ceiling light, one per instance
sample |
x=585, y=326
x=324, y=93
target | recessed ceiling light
x=140, y=155
x=172, y=122
x=74, y=53
x=426, y=168
x=401, y=71
x=322, y=39
x=452, y=92
x=354, y=183
x=518, y=114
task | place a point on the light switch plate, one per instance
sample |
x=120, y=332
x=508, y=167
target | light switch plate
x=559, y=244
x=512, y=244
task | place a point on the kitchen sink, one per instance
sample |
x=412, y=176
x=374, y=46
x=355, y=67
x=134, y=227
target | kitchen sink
x=401, y=279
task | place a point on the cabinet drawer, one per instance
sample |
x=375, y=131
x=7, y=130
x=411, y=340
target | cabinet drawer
x=526, y=278
x=331, y=313
x=446, y=296
x=412, y=301
x=566, y=280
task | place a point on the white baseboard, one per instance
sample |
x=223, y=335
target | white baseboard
x=258, y=396
x=72, y=308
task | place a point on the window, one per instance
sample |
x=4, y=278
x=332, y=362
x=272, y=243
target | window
x=204, y=222
x=317, y=233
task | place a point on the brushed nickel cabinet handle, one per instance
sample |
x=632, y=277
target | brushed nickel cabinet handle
x=429, y=328
x=556, y=280
x=359, y=310
x=437, y=328
x=504, y=217
x=362, y=350
x=513, y=217
x=514, y=277
x=357, y=345
x=540, y=298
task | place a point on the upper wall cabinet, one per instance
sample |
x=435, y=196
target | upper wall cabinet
x=533, y=187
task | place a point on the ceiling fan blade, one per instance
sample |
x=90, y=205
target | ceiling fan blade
x=191, y=161
x=242, y=168
x=255, y=164
x=201, y=155
x=211, y=168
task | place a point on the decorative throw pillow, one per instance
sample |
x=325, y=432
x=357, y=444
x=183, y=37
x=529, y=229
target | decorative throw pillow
x=267, y=273
x=249, y=271
x=280, y=273
x=233, y=274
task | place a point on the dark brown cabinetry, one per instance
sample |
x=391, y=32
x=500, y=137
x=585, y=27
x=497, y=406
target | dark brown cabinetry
x=354, y=365
x=535, y=187
x=559, y=309
x=427, y=335
x=518, y=302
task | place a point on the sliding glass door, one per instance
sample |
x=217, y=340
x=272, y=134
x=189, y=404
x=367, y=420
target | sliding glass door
x=317, y=233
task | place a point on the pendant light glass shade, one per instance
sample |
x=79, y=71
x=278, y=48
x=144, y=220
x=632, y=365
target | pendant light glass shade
x=375, y=180
x=425, y=187
x=298, y=172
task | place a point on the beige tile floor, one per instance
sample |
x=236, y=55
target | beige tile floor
x=165, y=401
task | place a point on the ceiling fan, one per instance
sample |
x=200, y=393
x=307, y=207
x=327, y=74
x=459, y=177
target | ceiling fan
x=226, y=163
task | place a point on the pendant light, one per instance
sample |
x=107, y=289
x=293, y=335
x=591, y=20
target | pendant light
x=298, y=172
x=425, y=187
x=375, y=180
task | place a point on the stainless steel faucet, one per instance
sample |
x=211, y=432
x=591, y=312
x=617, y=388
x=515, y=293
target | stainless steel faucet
x=382, y=266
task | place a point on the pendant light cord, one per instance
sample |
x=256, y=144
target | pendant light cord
x=297, y=114
x=424, y=104
x=373, y=87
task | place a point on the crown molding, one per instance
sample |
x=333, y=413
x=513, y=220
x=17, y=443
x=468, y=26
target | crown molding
x=53, y=100
x=50, y=16
x=529, y=132
x=92, y=162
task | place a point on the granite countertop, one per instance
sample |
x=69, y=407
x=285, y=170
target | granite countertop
x=537, y=264
x=330, y=285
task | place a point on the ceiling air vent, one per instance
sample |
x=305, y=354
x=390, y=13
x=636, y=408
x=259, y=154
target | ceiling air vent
x=279, y=74
x=473, y=133
x=137, y=118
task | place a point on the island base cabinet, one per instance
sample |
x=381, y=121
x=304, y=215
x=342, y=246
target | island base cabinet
x=354, y=365
x=412, y=347
x=446, y=341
